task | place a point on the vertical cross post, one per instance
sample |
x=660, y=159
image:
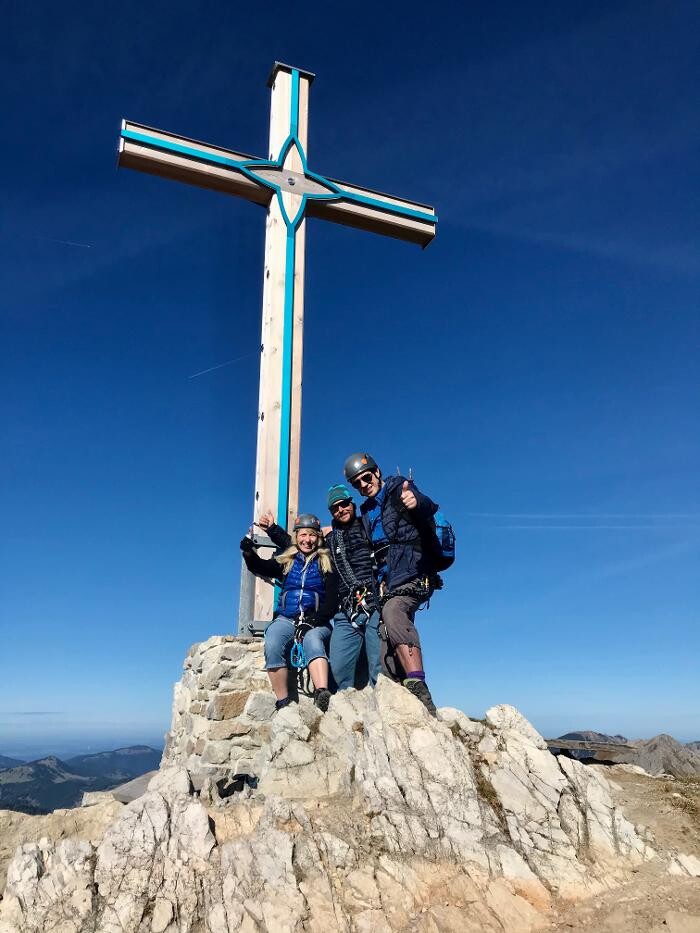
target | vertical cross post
x=279, y=408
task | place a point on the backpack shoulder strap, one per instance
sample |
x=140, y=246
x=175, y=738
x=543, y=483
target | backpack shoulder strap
x=366, y=526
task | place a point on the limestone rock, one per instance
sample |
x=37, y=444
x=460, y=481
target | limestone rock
x=154, y=857
x=49, y=886
x=677, y=922
x=82, y=823
x=372, y=817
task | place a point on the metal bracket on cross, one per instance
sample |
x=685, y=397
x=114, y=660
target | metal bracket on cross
x=291, y=192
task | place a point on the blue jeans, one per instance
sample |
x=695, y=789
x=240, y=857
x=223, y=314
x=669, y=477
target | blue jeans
x=346, y=644
x=279, y=637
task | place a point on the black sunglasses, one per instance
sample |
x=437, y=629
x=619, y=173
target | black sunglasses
x=341, y=504
x=362, y=478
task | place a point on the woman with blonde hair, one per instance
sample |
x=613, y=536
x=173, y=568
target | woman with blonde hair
x=309, y=598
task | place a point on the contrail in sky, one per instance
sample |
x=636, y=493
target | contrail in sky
x=65, y=242
x=591, y=527
x=580, y=521
x=35, y=713
x=593, y=516
x=221, y=365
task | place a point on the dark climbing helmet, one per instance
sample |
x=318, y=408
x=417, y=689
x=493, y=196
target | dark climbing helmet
x=306, y=520
x=358, y=463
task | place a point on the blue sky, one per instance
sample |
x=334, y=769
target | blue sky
x=536, y=366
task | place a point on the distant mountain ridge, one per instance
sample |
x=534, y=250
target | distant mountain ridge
x=6, y=762
x=589, y=736
x=122, y=764
x=661, y=754
x=49, y=783
x=665, y=755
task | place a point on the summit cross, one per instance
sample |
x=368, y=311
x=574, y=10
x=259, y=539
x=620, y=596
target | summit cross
x=291, y=192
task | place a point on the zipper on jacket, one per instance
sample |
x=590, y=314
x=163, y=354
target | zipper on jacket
x=301, y=590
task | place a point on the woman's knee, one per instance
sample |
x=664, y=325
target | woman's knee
x=278, y=638
x=316, y=643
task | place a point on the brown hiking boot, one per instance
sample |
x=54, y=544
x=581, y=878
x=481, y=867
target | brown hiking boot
x=419, y=689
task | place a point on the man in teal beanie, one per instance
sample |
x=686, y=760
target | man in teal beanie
x=338, y=493
x=357, y=622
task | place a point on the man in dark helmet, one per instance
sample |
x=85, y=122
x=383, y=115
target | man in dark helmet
x=397, y=516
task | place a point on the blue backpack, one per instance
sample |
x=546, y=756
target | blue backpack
x=443, y=547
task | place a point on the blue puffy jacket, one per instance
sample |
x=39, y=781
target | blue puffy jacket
x=305, y=587
x=404, y=528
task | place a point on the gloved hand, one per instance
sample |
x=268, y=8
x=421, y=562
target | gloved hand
x=247, y=545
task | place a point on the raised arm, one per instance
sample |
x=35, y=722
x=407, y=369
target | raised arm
x=278, y=535
x=268, y=569
x=419, y=506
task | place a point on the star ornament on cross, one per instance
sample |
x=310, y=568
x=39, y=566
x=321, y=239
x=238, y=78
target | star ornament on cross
x=284, y=184
x=280, y=176
x=154, y=151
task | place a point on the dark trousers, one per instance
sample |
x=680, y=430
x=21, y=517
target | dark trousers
x=398, y=628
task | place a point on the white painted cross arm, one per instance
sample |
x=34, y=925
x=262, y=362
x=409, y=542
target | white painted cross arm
x=259, y=180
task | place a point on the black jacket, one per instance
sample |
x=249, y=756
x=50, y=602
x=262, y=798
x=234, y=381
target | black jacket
x=352, y=553
x=408, y=531
x=272, y=570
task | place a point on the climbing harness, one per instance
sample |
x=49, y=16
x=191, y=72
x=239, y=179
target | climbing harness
x=359, y=606
x=298, y=656
x=361, y=601
x=298, y=660
x=422, y=588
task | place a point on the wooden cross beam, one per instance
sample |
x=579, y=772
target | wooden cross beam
x=286, y=186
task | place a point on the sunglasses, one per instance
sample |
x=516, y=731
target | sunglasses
x=362, y=479
x=340, y=504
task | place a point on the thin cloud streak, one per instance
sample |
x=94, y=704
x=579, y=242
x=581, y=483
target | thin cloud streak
x=608, y=571
x=51, y=239
x=32, y=713
x=583, y=515
x=649, y=560
x=221, y=365
x=582, y=521
x=590, y=527
x=673, y=257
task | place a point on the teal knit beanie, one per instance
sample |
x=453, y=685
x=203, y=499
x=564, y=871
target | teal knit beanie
x=337, y=493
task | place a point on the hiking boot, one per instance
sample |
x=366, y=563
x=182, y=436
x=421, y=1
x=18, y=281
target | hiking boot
x=322, y=698
x=419, y=689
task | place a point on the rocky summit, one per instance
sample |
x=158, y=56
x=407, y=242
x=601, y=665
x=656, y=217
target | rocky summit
x=373, y=817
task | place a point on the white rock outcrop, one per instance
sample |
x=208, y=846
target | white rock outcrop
x=372, y=817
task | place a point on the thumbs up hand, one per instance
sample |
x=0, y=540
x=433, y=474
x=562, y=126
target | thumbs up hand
x=408, y=498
